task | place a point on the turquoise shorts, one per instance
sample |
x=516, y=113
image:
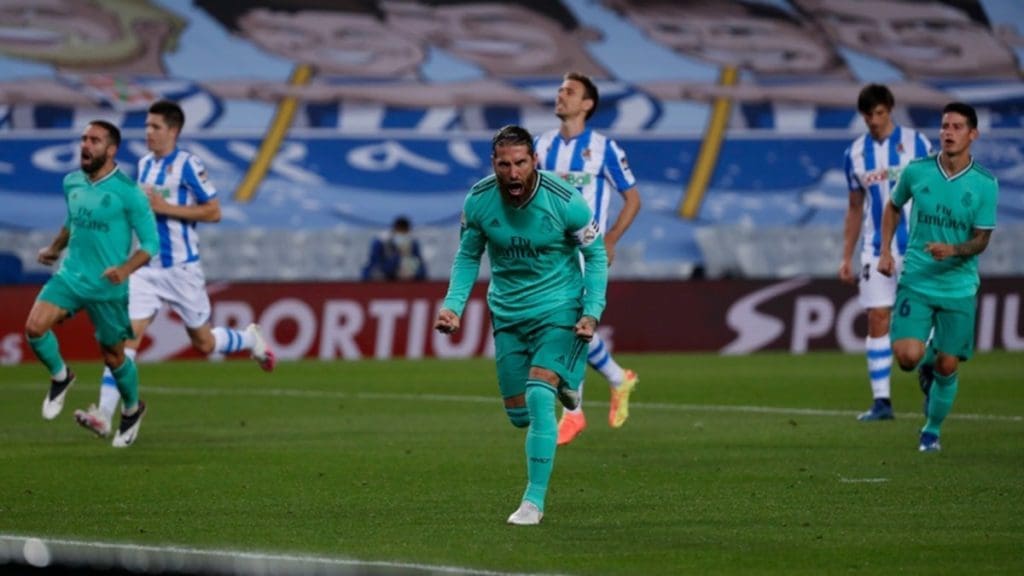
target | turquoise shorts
x=109, y=317
x=549, y=343
x=915, y=314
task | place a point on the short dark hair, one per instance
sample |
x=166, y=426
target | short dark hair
x=402, y=224
x=872, y=95
x=113, y=132
x=512, y=135
x=965, y=110
x=589, y=89
x=170, y=111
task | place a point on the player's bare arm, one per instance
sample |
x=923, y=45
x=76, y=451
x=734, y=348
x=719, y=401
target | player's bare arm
x=630, y=208
x=851, y=231
x=118, y=274
x=586, y=327
x=49, y=255
x=976, y=245
x=208, y=212
x=447, y=322
x=890, y=218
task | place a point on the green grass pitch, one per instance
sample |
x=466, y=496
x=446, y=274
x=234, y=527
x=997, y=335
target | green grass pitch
x=727, y=465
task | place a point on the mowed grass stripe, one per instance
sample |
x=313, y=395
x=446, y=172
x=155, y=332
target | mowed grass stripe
x=412, y=397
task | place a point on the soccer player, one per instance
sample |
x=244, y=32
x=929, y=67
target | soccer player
x=543, y=306
x=873, y=164
x=181, y=195
x=594, y=164
x=953, y=215
x=104, y=208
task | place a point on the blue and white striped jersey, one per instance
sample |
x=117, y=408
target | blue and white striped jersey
x=124, y=101
x=182, y=180
x=873, y=167
x=623, y=109
x=591, y=162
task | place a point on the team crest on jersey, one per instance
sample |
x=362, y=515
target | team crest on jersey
x=548, y=225
x=169, y=169
x=585, y=154
x=900, y=148
x=967, y=199
x=106, y=201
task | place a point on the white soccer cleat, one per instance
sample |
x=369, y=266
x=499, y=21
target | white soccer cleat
x=54, y=401
x=260, y=352
x=128, y=429
x=527, y=515
x=93, y=420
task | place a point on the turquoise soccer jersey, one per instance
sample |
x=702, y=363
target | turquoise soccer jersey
x=101, y=218
x=533, y=251
x=946, y=209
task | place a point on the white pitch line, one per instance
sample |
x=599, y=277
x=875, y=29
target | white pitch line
x=82, y=552
x=727, y=408
x=862, y=480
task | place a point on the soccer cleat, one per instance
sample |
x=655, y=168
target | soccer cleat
x=527, y=515
x=880, y=410
x=929, y=443
x=54, y=401
x=569, y=398
x=925, y=378
x=260, y=352
x=570, y=426
x=619, y=410
x=128, y=429
x=94, y=420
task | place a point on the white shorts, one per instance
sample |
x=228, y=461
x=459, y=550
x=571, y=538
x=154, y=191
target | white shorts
x=182, y=287
x=876, y=290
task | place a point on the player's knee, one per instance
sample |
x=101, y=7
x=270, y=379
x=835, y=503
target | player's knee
x=35, y=329
x=519, y=416
x=907, y=360
x=946, y=365
x=544, y=375
x=113, y=358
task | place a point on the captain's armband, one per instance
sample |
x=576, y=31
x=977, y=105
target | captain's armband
x=585, y=236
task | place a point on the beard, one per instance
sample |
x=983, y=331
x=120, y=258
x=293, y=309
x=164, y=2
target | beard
x=518, y=192
x=92, y=164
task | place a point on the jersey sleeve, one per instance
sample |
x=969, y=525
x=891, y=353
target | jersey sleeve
x=197, y=181
x=583, y=229
x=142, y=220
x=986, y=218
x=616, y=168
x=467, y=259
x=902, y=192
x=852, y=183
x=67, y=205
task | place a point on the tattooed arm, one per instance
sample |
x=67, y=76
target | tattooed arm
x=976, y=245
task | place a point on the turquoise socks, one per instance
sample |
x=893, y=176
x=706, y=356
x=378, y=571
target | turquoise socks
x=127, y=378
x=540, y=440
x=940, y=401
x=48, y=352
